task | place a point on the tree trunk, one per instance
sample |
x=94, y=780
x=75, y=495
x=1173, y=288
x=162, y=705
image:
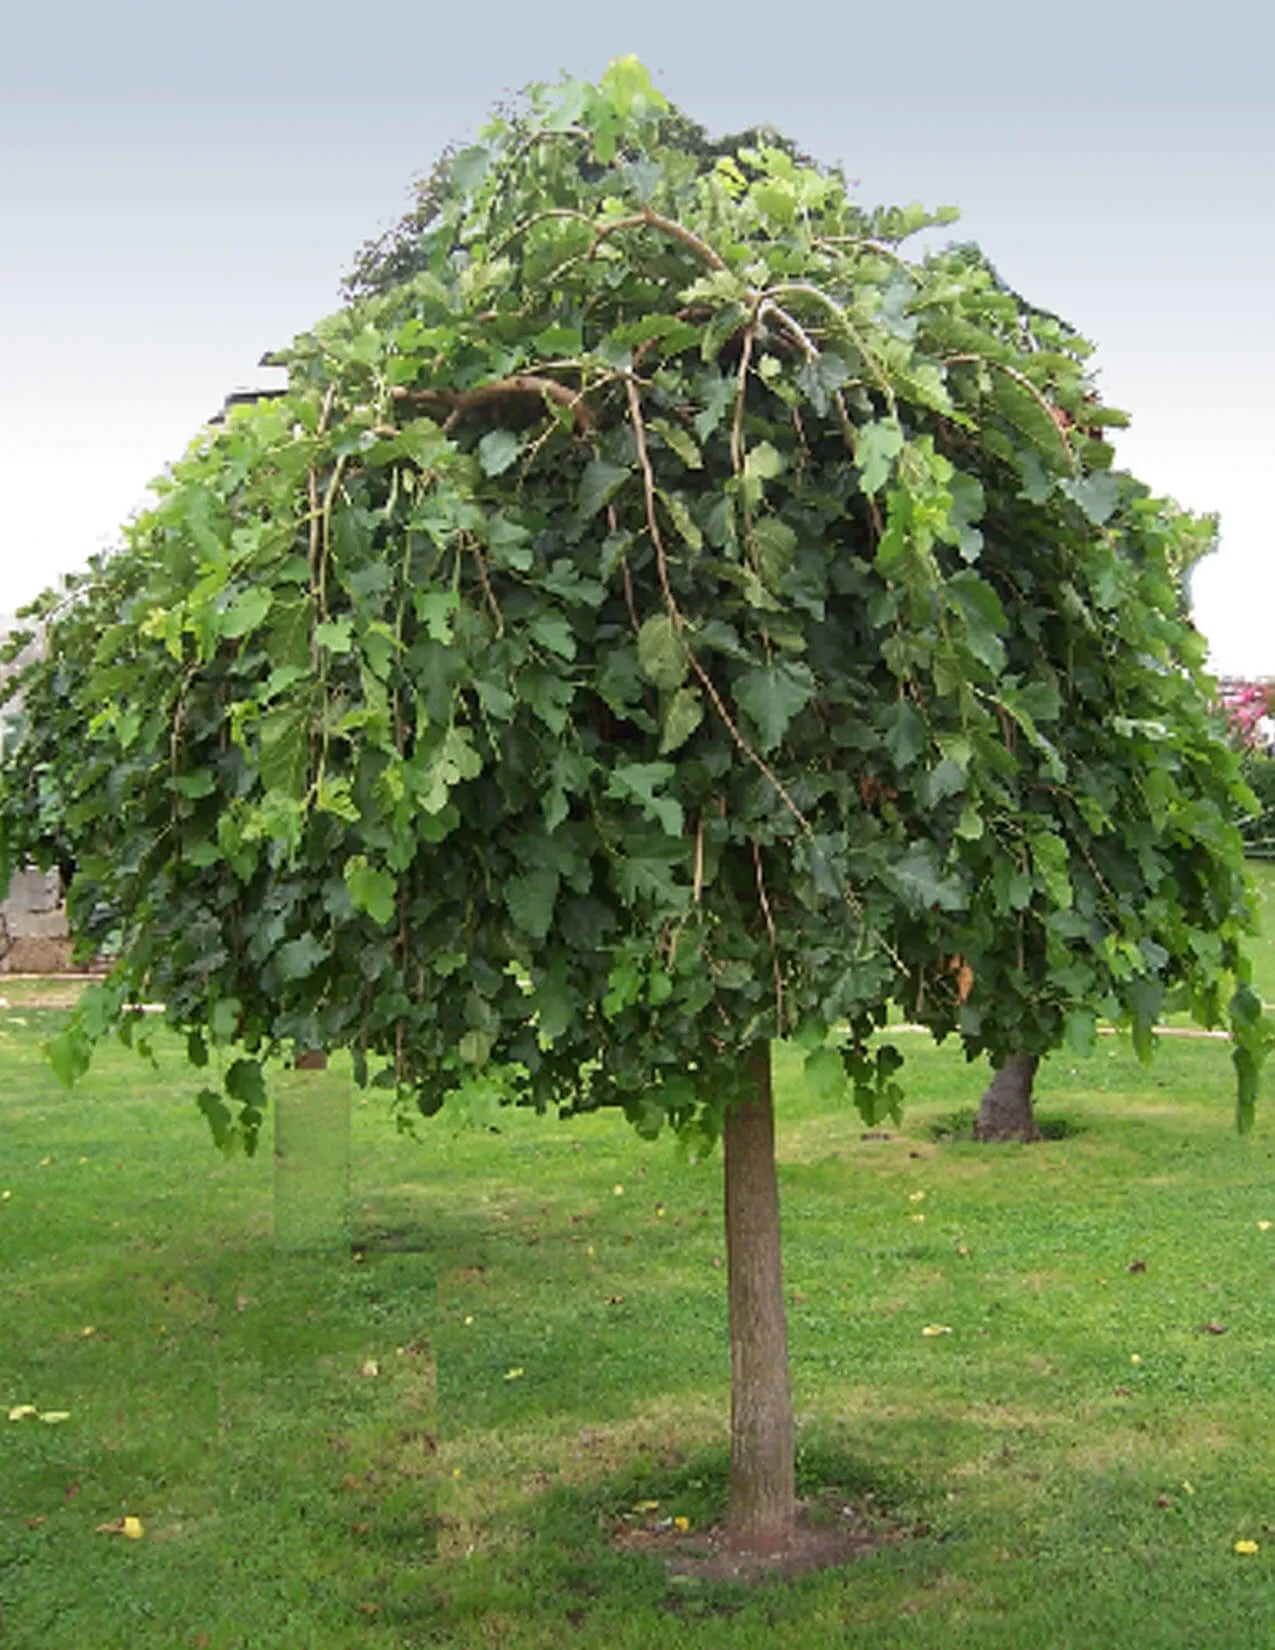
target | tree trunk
x=1005, y=1112
x=762, y=1504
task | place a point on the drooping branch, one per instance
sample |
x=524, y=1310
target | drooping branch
x=648, y=218
x=459, y=402
x=1050, y=411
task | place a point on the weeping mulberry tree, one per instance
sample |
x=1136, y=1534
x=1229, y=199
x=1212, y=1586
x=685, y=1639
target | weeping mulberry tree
x=658, y=617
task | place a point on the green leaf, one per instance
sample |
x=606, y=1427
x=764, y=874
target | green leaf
x=776, y=202
x=662, y=654
x=821, y=378
x=296, y=959
x=763, y=462
x=68, y=1053
x=772, y=696
x=553, y=631
x=1097, y=495
x=980, y=607
x=337, y=635
x=1080, y=1029
x=193, y=785
x=283, y=758
x=246, y=612
x=599, y=484
x=497, y=450
x=680, y=441
x=371, y=889
x=775, y=543
x=907, y=733
x=717, y=392
x=223, y=1019
x=530, y=899
x=220, y=1118
x=824, y=1076
x=876, y=447
x=682, y=714
x=245, y=1082
x=1050, y=863
x=469, y=168
x=944, y=780
x=436, y=610
x=682, y=520
x=918, y=879
x=637, y=781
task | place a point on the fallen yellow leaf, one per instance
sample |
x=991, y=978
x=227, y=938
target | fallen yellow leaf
x=916, y=1197
x=19, y=1412
x=682, y=1523
x=126, y=1526
x=919, y=1219
x=618, y=1189
x=88, y=1330
x=515, y=1374
x=646, y=1506
x=5, y=1195
x=1246, y=1548
x=936, y=1329
x=1263, y=1225
x=53, y=1416
x=1188, y=1486
x=370, y=1368
x=1135, y=1359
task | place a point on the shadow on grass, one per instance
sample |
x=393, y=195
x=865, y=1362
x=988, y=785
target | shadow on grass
x=574, y=1553
x=959, y=1125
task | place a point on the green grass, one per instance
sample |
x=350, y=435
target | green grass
x=290, y=1499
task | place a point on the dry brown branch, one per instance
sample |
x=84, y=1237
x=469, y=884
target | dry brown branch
x=648, y=218
x=459, y=402
x=774, y=941
x=488, y=593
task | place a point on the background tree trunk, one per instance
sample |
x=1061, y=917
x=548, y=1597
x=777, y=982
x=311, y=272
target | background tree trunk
x=1005, y=1112
x=762, y=1503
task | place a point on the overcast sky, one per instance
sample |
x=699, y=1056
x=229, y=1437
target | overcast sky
x=182, y=186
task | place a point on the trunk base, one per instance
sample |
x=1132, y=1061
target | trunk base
x=761, y=1512
x=1005, y=1112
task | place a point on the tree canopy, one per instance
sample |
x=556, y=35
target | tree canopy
x=660, y=616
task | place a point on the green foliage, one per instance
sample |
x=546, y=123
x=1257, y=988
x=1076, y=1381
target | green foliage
x=659, y=615
x=1258, y=828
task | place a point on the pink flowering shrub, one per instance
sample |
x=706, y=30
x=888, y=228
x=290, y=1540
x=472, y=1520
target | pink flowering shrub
x=1244, y=705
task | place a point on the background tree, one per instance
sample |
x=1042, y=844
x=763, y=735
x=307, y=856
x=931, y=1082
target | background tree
x=639, y=633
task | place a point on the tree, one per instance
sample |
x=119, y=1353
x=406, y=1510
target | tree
x=641, y=631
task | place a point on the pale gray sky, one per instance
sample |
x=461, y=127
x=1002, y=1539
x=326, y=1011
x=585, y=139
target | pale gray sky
x=182, y=187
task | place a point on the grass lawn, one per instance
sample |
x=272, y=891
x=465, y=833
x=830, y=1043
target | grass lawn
x=1071, y=1466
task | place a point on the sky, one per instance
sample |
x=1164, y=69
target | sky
x=182, y=187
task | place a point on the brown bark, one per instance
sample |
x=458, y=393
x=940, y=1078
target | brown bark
x=1005, y=1112
x=762, y=1502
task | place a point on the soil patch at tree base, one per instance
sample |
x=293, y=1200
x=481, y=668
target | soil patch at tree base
x=828, y=1534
